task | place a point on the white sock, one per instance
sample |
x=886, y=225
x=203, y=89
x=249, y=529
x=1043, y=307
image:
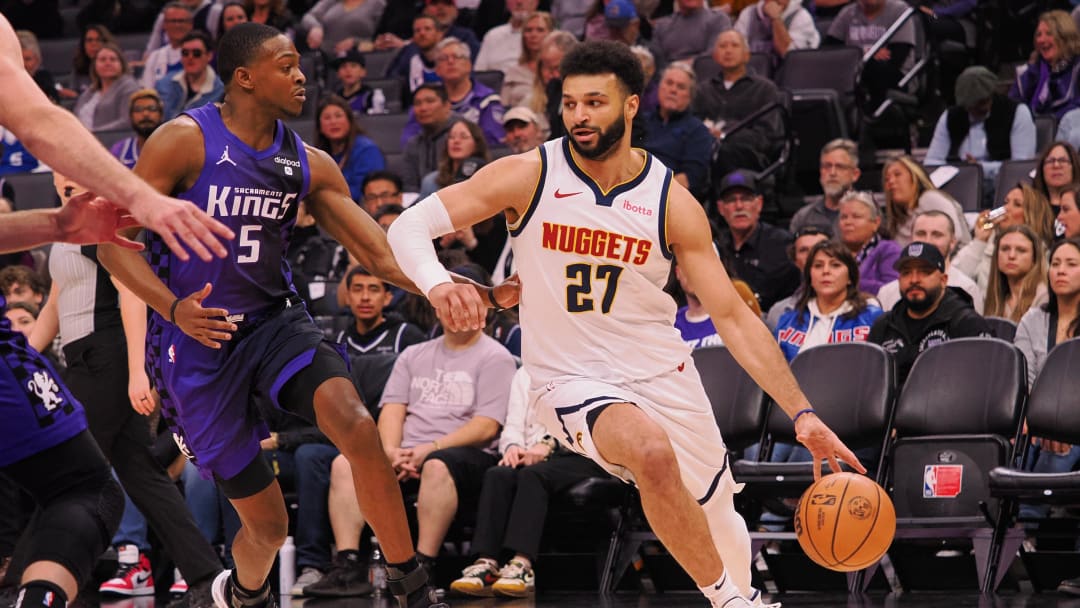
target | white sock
x=722, y=591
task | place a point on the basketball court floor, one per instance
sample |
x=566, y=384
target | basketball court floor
x=683, y=600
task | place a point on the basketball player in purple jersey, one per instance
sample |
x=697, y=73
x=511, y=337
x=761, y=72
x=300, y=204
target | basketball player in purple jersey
x=594, y=225
x=231, y=336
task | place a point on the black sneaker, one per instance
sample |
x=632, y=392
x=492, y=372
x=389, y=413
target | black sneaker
x=1070, y=586
x=198, y=596
x=346, y=578
x=412, y=590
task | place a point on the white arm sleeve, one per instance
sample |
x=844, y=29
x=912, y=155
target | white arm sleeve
x=410, y=237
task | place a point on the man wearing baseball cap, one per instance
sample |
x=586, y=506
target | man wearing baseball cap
x=929, y=312
x=522, y=128
x=753, y=250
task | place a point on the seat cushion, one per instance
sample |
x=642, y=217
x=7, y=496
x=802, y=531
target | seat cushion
x=1047, y=487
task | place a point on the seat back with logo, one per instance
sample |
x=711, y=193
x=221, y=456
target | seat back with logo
x=960, y=407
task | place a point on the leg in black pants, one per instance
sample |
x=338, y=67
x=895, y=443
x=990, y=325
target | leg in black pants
x=79, y=509
x=97, y=376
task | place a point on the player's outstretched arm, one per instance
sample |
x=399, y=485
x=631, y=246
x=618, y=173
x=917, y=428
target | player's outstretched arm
x=85, y=220
x=330, y=203
x=743, y=332
x=56, y=137
x=504, y=185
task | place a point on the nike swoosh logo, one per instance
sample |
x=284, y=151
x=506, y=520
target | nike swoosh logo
x=565, y=194
x=141, y=578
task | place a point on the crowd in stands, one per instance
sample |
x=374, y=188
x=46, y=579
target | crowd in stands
x=879, y=250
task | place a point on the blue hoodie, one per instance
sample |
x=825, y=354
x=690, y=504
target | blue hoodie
x=795, y=325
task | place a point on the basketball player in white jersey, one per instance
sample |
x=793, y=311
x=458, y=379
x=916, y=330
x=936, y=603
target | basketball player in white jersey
x=595, y=224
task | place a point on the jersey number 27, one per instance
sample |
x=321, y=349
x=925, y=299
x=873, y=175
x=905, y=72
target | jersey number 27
x=578, y=294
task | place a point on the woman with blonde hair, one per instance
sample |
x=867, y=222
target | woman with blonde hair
x=908, y=190
x=1024, y=205
x=545, y=99
x=1017, y=274
x=520, y=79
x=1048, y=85
x=105, y=104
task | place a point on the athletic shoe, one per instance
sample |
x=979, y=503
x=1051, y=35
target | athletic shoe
x=758, y=601
x=515, y=580
x=307, y=577
x=179, y=585
x=133, y=577
x=222, y=592
x=477, y=579
x=1070, y=586
x=198, y=596
x=345, y=578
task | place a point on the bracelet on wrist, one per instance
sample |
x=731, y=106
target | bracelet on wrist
x=491, y=299
x=808, y=410
x=172, y=311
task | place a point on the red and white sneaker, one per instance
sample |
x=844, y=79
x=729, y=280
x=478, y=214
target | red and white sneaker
x=133, y=577
x=179, y=585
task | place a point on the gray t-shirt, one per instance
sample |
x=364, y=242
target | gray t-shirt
x=443, y=388
x=852, y=26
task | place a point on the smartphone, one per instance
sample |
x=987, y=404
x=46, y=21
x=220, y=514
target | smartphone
x=996, y=215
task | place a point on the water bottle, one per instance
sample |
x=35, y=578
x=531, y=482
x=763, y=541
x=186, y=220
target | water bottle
x=377, y=570
x=378, y=102
x=287, y=566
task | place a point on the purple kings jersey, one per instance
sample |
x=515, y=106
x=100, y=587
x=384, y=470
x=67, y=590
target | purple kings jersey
x=37, y=410
x=253, y=192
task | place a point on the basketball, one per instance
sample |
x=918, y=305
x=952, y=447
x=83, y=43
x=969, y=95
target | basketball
x=845, y=522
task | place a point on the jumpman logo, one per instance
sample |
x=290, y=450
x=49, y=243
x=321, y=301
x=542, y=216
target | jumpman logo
x=225, y=157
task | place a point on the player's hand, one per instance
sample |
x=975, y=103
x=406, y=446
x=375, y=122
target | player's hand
x=207, y=325
x=823, y=443
x=508, y=293
x=270, y=443
x=458, y=306
x=512, y=456
x=176, y=220
x=140, y=393
x=87, y=219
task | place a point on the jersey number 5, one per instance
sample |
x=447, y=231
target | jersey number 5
x=250, y=243
x=577, y=294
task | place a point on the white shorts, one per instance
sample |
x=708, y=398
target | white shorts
x=676, y=401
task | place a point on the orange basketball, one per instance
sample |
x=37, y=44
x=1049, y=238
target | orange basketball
x=845, y=522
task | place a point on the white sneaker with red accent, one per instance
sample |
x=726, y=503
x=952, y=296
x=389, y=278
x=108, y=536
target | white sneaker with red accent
x=179, y=585
x=133, y=577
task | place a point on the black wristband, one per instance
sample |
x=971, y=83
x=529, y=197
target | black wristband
x=172, y=311
x=491, y=298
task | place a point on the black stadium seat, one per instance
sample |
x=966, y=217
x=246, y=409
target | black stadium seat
x=958, y=416
x=966, y=186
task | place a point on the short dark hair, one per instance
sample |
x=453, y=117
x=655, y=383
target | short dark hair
x=383, y=174
x=360, y=271
x=240, y=46
x=597, y=57
x=23, y=275
x=198, y=35
x=29, y=307
x=435, y=87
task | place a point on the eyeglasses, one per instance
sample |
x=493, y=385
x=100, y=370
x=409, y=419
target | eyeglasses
x=826, y=167
x=196, y=53
x=450, y=58
x=180, y=21
x=137, y=109
x=1057, y=160
x=381, y=196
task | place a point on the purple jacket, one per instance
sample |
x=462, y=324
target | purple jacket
x=876, y=264
x=1047, y=92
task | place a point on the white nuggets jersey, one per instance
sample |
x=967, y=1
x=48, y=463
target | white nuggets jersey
x=593, y=265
